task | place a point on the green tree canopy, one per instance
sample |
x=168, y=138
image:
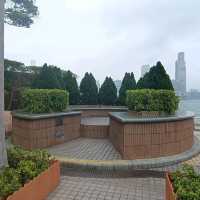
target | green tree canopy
x=128, y=83
x=20, y=12
x=156, y=78
x=88, y=90
x=15, y=79
x=50, y=77
x=108, y=92
x=71, y=85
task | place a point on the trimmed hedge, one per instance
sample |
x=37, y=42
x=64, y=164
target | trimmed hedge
x=44, y=100
x=164, y=101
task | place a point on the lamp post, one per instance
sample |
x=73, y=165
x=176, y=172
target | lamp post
x=3, y=157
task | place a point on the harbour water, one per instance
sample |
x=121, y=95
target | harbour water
x=191, y=105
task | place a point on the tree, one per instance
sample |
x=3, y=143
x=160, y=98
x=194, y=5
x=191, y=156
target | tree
x=20, y=12
x=108, y=92
x=128, y=83
x=88, y=90
x=71, y=85
x=50, y=77
x=15, y=78
x=156, y=78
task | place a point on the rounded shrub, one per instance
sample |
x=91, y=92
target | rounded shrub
x=45, y=100
x=164, y=101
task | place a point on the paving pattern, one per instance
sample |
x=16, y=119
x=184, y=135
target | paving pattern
x=82, y=188
x=112, y=185
x=83, y=148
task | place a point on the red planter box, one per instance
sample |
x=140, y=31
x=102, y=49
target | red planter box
x=41, y=186
x=170, y=195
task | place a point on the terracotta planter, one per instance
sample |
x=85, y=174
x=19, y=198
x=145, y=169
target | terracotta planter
x=170, y=195
x=41, y=186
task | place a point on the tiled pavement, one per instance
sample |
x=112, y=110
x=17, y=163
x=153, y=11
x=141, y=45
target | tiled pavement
x=82, y=188
x=90, y=186
x=83, y=148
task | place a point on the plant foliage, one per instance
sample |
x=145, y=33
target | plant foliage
x=108, y=92
x=44, y=100
x=88, y=90
x=24, y=165
x=71, y=85
x=20, y=12
x=156, y=78
x=50, y=77
x=128, y=83
x=186, y=183
x=152, y=100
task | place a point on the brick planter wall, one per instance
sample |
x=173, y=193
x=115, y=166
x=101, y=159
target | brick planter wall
x=94, y=131
x=40, y=132
x=151, y=139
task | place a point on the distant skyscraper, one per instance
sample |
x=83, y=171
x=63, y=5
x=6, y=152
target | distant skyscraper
x=33, y=62
x=118, y=84
x=180, y=75
x=145, y=69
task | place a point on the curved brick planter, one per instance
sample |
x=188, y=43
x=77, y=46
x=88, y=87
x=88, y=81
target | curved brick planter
x=129, y=165
x=153, y=137
x=41, y=186
x=170, y=195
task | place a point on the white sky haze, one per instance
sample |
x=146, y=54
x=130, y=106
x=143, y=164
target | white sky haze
x=110, y=37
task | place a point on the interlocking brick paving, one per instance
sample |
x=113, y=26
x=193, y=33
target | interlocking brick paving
x=92, y=185
x=85, y=148
x=129, y=188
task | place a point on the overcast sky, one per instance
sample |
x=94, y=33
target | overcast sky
x=110, y=37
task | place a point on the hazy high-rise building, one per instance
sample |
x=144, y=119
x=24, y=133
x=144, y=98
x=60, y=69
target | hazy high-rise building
x=118, y=84
x=145, y=69
x=180, y=74
x=33, y=63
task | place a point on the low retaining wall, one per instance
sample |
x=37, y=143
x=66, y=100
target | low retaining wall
x=98, y=111
x=142, y=138
x=40, y=131
x=95, y=127
x=94, y=131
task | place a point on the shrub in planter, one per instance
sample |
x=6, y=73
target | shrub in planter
x=40, y=157
x=163, y=101
x=9, y=182
x=24, y=166
x=27, y=170
x=186, y=183
x=44, y=100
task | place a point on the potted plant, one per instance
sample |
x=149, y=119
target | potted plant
x=183, y=184
x=31, y=175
